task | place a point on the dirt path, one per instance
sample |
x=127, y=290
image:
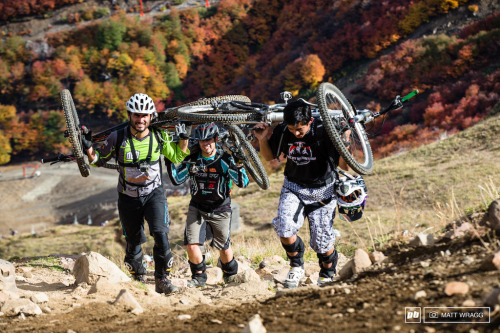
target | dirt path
x=56, y=196
x=373, y=301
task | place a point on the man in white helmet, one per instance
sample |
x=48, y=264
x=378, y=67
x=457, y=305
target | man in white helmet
x=137, y=149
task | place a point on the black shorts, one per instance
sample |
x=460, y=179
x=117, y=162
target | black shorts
x=133, y=211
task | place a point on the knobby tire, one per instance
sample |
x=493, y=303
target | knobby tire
x=203, y=113
x=251, y=160
x=75, y=135
x=359, y=157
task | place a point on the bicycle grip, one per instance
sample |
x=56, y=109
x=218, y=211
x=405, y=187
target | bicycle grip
x=410, y=95
x=50, y=159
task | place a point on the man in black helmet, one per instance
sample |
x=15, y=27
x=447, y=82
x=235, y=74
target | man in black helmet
x=210, y=170
x=141, y=195
x=308, y=188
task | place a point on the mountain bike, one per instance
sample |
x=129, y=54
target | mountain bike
x=234, y=142
x=344, y=124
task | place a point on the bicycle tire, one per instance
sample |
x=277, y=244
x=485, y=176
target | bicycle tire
x=359, y=157
x=251, y=160
x=206, y=113
x=75, y=135
x=172, y=113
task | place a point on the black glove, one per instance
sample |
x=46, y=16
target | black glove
x=86, y=138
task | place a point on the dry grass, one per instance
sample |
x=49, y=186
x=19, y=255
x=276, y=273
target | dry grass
x=423, y=189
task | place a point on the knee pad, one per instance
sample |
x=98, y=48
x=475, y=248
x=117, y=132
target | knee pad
x=161, y=242
x=230, y=268
x=328, y=259
x=298, y=246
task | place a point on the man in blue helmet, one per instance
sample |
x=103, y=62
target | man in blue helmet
x=210, y=170
x=141, y=195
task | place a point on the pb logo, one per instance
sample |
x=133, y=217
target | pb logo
x=413, y=315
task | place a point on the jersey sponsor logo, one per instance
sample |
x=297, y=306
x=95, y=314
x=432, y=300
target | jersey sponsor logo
x=212, y=170
x=138, y=179
x=202, y=174
x=300, y=154
x=130, y=157
x=213, y=175
x=201, y=185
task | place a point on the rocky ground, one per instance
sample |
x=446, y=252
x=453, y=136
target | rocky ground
x=458, y=270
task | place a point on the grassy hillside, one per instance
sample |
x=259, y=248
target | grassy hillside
x=427, y=187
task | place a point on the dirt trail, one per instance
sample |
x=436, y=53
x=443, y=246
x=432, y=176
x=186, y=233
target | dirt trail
x=56, y=196
x=373, y=301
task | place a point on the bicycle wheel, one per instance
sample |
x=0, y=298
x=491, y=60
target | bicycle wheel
x=208, y=113
x=249, y=157
x=359, y=154
x=173, y=113
x=74, y=131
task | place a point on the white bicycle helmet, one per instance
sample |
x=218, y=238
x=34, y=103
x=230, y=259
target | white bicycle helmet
x=351, y=197
x=141, y=103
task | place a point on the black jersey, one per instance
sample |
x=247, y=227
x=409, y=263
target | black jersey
x=311, y=160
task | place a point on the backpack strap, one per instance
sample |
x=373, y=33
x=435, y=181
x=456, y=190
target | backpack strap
x=119, y=139
x=278, y=152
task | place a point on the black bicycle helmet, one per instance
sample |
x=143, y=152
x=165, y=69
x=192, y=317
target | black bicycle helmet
x=205, y=131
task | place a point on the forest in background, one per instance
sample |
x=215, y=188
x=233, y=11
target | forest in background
x=255, y=48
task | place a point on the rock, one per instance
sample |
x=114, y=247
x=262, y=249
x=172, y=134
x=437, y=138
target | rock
x=245, y=276
x=8, y=289
x=13, y=307
x=469, y=303
x=361, y=261
x=491, y=262
x=263, y=273
x=422, y=240
x=101, y=286
x=90, y=266
x=263, y=263
x=216, y=321
x=137, y=311
x=184, y=317
x=420, y=294
x=460, y=231
x=39, y=298
x=254, y=325
x=346, y=271
x=27, y=275
x=126, y=300
x=46, y=309
x=276, y=259
x=454, y=288
x=350, y=310
x=180, y=283
x=376, y=256
x=214, y=275
x=490, y=299
x=492, y=219
x=242, y=264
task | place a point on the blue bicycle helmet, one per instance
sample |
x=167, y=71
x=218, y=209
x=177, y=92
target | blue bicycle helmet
x=206, y=132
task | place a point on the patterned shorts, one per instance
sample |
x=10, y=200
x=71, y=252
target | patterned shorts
x=318, y=204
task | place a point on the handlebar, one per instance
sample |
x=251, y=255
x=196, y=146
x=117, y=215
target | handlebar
x=365, y=116
x=58, y=158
